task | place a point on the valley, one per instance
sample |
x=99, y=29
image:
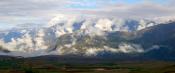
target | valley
x=37, y=65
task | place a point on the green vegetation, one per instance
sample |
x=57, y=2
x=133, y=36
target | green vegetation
x=37, y=66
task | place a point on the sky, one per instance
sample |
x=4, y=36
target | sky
x=15, y=12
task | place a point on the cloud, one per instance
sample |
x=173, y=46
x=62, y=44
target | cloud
x=38, y=11
x=28, y=42
x=104, y=24
x=144, y=10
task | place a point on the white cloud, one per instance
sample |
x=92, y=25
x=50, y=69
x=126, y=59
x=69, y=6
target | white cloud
x=144, y=10
x=104, y=24
x=27, y=42
x=40, y=11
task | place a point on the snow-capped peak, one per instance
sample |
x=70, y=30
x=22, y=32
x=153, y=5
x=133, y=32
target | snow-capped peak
x=29, y=40
x=63, y=24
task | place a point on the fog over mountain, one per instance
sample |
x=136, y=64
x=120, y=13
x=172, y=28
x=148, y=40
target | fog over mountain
x=87, y=36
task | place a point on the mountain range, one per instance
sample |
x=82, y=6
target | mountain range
x=93, y=37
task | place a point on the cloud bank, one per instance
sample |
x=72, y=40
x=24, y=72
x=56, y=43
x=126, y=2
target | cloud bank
x=41, y=11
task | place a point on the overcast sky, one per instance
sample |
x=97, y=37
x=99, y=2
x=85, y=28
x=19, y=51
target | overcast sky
x=13, y=12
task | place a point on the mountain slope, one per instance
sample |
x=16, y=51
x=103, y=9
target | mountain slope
x=88, y=36
x=146, y=41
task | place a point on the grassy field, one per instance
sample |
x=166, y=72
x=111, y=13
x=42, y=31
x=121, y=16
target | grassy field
x=39, y=66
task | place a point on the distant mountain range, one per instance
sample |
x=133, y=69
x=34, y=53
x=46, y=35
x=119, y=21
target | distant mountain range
x=97, y=37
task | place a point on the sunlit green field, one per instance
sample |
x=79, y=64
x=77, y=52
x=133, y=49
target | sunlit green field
x=39, y=66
